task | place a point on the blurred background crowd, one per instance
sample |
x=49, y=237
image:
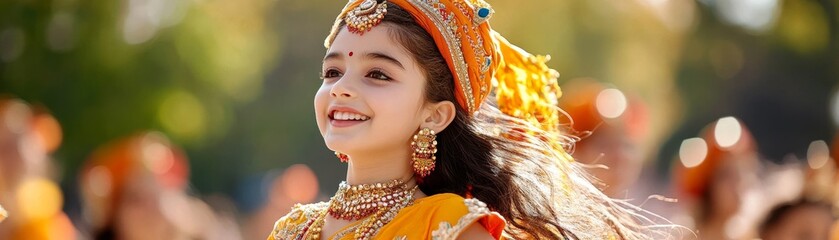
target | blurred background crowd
x=193, y=119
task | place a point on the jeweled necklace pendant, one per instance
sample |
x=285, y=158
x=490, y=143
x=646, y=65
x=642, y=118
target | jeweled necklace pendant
x=367, y=15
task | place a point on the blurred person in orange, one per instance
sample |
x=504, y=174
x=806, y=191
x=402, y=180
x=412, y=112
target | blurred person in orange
x=295, y=184
x=27, y=189
x=716, y=180
x=449, y=131
x=611, y=127
x=136, y=188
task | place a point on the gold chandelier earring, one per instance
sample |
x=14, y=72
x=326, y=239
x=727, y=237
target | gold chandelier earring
x=425, y=146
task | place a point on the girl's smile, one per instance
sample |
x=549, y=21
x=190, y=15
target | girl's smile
x=345, y=117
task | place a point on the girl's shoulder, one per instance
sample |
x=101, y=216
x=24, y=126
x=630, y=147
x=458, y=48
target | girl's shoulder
x=297, y=219
x=448, y=205
x=448, y=215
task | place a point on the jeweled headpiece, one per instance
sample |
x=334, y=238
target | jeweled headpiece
x=367, y=15
x=478, y=57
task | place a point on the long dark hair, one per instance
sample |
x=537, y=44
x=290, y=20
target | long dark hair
x=537, y=189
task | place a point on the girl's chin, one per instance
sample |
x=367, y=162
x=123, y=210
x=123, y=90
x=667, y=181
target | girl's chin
x=350, y=145
x=340, y=144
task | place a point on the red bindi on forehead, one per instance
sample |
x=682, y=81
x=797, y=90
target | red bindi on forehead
x=350, y=54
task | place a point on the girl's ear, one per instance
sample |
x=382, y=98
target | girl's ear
x=438, y=115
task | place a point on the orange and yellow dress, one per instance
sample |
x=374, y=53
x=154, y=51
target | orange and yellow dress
x=440, y=216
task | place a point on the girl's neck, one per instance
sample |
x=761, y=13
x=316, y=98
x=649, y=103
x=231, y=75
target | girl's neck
x=379, y=167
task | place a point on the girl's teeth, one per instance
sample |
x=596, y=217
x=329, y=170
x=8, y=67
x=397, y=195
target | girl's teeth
x=349, y=116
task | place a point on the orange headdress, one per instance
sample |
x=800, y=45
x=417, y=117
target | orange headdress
x=478, y=57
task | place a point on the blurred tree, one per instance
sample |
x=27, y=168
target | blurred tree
x=108, y=69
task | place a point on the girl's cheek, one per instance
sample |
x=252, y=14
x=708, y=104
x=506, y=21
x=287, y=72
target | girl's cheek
x=321, y=97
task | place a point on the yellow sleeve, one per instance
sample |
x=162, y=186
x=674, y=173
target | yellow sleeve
x=291, y=225
x=442, y=217
x=457, y=214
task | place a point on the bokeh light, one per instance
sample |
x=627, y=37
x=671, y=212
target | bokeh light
x=753, y=15
x=693, y=152
x=804, y=27
x=12, y=43
x=727, y=132
x=61, y=32
x=16, y=116
x=144, y=18
x=299, y=183
x=157, y=157
x=611, y=103
x=39, y=198
x=818, y=154
x=99, y=181
x=184, y=115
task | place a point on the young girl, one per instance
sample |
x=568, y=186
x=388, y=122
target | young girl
x=406, y=101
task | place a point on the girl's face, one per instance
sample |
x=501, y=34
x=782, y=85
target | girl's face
x=372, y=96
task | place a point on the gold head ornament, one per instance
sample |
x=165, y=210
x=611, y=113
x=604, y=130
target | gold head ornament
x=367, y=15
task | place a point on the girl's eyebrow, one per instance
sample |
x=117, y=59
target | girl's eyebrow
x=333, y=55
x=337, y=55
x=382, y=56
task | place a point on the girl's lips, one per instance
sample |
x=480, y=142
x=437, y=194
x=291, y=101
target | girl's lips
x=344, y=123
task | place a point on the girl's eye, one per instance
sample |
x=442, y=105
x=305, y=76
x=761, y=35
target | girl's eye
x=376, y=74
x=331, y=73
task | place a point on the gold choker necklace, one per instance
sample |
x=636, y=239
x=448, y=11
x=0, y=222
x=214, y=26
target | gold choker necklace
x=378, y=203
x=356, y=202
